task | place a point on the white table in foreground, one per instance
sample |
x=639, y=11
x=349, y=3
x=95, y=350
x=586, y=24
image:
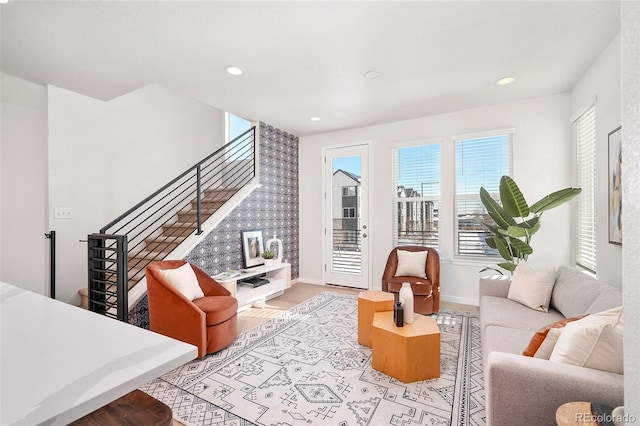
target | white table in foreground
x=59, y=362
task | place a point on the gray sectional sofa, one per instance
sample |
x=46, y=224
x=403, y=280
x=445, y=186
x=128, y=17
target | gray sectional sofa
x=525, y=390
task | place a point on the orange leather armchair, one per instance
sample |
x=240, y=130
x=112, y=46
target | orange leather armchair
x=426, y=291
x=210, y=322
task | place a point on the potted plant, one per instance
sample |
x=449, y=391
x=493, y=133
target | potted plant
x=515, y=222
x=268, y=257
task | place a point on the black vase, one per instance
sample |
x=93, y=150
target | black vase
x=398, y=314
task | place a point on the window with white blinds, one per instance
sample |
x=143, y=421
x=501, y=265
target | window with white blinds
x=585, y=214
x=417, y=195
x=480, y=162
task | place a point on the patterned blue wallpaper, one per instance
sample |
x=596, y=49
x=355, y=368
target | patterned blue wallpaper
x=273, y=208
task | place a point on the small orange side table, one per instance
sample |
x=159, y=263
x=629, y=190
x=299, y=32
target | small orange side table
x=370, y=302
x=410, y=353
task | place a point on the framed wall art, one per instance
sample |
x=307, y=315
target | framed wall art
x=252, y=247
x=615, y=186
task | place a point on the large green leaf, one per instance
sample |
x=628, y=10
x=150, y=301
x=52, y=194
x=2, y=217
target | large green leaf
x=491, y=242
x=509, y=266
x=512, y=199
x=554, y=199
x=517, y=231
x=531, y=223
x=497, y=213
x=503, y=249
x=491, y=227
x=524, y=229
x=522, y=247
x=534, y=229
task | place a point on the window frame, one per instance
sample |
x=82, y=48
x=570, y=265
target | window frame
x=228, y=156
x=457, y=256
x=350, y=212
x=395, y=185
x=588, y=193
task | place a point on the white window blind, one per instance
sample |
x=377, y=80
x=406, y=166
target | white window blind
x=417, y=195
x=585, y=215
x=480, y=161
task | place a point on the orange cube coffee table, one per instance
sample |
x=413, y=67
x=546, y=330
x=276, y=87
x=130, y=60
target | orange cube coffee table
x=410, y=353
x=370, y=302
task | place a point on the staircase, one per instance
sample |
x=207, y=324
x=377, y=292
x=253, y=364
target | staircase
x=157, y=226
x=175, y=231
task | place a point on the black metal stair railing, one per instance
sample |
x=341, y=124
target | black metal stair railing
x=149, y=231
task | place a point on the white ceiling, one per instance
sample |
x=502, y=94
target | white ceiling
x=304, y=59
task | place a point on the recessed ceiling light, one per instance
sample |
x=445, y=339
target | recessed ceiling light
x=315, y=118
x=371, y=75
x=505, y=80
x=233, y=70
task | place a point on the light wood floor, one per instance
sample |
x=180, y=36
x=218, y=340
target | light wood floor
x=300, y=292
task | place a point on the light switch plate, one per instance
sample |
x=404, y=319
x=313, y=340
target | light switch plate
x=63, y=213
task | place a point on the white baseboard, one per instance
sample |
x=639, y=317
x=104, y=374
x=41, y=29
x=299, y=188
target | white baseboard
x=309, y=281
x=461, y=300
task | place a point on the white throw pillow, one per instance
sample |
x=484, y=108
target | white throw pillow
x=184, y=280
x=549, y=342
x=532, y=287
x=612, y=317
x=411, y=263
x=590, y=344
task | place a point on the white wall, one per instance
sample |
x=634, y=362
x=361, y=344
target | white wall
x=602, y=80
x=541, y=155
x=23, y=185
x=631, y=207
x=106, y=156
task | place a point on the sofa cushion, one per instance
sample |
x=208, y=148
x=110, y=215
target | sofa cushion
x=575, y=292
x=594, y=341
x=411, y=263
x=532, y=287
x=590, y=344
x=548, y=344
x=541, y=335
x=608, y=299
x=504, y=339
x=507, y=313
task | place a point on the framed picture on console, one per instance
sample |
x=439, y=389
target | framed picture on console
x=615, y=186
x=252, y=247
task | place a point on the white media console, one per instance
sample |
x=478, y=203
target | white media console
x=279, y=277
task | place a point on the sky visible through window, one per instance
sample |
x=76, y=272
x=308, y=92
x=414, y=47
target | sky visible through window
x=348, y=164
x=481, y=162
x=419, y=169
x=237, y=126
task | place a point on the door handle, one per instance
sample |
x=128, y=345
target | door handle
x=364, y=235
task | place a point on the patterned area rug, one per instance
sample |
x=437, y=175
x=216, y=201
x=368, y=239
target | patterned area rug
x=306, y=367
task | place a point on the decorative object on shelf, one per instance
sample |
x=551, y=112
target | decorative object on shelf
x=269, y=257
x=277, y=260
x=405, y=296
x=510, y=237
x=398, y=314
x=252, y=247
x=615, y=186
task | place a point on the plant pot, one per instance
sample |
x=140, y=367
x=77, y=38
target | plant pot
x=269, y=262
